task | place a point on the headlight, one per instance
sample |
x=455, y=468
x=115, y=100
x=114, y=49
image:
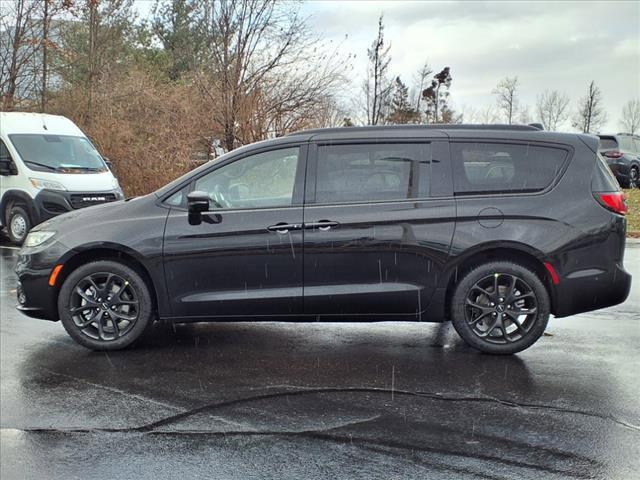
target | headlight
x=48, y=184
x=37, y=238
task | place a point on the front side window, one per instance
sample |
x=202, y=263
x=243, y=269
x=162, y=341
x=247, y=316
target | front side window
x=372, y=172
x=499, y=167
x=262, y=180
x=61, y=153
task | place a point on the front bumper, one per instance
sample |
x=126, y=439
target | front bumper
x=589, y=290
x=35, y=297
x=50, y=203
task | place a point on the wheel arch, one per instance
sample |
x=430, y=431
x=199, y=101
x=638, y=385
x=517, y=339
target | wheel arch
x=107, y=251
x=10, y=197
x=511, y=251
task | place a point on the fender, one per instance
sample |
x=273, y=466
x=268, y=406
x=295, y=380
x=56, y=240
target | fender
x=153, y=267
x=489, y=246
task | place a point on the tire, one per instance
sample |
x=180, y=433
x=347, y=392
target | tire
x=111, y=294
x=634, y=177
x=500, y=324
x=18, y=223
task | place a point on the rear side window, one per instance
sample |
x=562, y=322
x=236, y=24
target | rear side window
x=482, y=167
x=603, y=179
x=608, y=143
x=372, y=172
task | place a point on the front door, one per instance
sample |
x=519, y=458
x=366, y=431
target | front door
x=377, y=234
x=245, y=258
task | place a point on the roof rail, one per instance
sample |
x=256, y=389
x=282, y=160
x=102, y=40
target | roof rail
x=431, y=126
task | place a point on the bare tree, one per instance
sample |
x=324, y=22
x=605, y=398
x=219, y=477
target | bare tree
x=552, y=108
x=630, y=121
x=420, y=83
x=19, y=49
x=377, y=86
x=590, y=116
x=507, y=97
x=253, y=48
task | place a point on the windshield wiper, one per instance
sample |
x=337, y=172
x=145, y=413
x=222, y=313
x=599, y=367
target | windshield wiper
x=78, y=167
x=55, y=169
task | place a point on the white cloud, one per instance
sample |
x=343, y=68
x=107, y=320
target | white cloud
x=548, y=45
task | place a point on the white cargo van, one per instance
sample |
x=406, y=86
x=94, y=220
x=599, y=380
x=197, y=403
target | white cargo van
x=47, y=167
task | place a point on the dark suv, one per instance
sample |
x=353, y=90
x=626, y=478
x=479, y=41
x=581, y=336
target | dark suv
x=622, y=152
x=494, y=228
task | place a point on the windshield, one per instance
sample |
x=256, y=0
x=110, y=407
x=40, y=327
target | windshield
x=59, y=153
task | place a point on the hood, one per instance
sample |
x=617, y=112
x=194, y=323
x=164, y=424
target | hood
x=101, y=222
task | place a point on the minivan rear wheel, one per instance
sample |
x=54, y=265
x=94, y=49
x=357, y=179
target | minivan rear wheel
x=105, y=305
x=500, y=308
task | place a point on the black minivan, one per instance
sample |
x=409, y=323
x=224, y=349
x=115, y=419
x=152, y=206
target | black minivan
x=492, y=227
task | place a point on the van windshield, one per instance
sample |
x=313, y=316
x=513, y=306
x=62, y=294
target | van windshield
x=60, y=153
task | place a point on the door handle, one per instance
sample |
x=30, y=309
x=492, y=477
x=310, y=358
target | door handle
x=323, y=225
x=283, y=228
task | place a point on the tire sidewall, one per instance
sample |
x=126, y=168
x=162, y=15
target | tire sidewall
x=635, y=169
x=14, y=211
x=469, y=280
x=137, y=283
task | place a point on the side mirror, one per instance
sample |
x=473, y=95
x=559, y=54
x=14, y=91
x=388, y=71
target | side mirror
x=197, y=202
x=7, y=167
x=108, y=162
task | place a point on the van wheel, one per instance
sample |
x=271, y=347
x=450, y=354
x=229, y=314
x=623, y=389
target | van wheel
x=634, y=177
x=18, y=224
x=105, y=305
x=500, y=308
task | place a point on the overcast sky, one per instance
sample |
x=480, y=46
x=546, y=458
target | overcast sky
x=548, y=45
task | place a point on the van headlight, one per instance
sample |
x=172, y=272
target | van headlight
x=39, y=183
x=37, y=238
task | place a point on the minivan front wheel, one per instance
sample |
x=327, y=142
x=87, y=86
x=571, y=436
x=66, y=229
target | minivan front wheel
x=500, y=308
x=105, y=305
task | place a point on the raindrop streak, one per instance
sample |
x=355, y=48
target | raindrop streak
x=393, y=380
x=109, y=360
x=380, y=269
x=293, y=252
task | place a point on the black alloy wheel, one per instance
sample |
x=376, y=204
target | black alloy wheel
x=500, y=308
x=105, y=305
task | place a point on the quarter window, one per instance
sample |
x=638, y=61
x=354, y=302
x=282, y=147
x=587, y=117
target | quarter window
x=258, y=181
x=497, y=167
x=372, y=172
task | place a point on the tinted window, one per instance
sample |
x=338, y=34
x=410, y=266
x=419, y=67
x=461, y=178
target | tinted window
x=4, y=152
x=372, y=172
x=603, y=179
x=608, y=143
x=262, y=180
x=501, y=167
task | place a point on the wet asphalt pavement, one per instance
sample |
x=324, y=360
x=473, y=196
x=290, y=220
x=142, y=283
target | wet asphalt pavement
x=277, y=400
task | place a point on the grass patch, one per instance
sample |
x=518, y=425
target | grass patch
x=633, y=217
